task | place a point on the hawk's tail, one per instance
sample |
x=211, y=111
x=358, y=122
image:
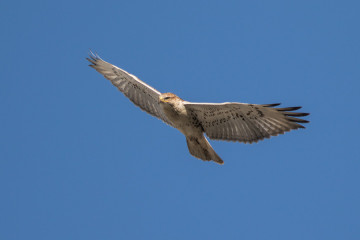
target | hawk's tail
x=200, y=147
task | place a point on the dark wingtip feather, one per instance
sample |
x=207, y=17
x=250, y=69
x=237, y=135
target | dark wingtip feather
x=93, y=61
x=296, y=114
x=93, y=56
x=271, y=105
x=299, y=120
x=288, y=109
x=293, y=116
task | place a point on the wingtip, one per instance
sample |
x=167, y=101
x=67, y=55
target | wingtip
x=220, y=162
x=297, y=120
x=93, y=58
x=271, y=105
x=94, y=55
x=289, y=109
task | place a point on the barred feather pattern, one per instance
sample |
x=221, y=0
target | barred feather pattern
x=138, y=92
x=244, y=122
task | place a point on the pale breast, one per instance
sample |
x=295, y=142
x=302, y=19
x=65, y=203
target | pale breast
x=181, y=120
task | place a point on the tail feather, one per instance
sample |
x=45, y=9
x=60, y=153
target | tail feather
x=200, y=147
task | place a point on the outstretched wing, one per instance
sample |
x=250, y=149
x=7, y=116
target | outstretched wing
x=141, y=94
x=244, y=122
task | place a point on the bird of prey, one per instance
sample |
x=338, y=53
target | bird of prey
x=228, y=121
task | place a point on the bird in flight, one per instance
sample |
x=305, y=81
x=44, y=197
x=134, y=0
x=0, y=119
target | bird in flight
x=230, y=121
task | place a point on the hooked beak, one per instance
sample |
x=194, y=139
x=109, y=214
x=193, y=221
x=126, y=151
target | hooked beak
x=161, y=99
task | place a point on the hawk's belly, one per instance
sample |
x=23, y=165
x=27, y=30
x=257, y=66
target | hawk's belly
x=180, y=119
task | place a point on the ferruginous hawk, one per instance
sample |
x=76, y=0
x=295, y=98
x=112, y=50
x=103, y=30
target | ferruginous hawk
x=240, y=122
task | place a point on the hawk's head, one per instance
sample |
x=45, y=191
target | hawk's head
x=169, y=98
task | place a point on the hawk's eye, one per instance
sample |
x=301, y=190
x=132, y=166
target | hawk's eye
x=166, y=98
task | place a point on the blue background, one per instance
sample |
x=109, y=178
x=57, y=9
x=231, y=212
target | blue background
x=79, y=161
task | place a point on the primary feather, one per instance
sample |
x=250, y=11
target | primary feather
x=141, y=94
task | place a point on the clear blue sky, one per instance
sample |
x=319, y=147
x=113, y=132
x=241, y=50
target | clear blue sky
x=79, y=161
